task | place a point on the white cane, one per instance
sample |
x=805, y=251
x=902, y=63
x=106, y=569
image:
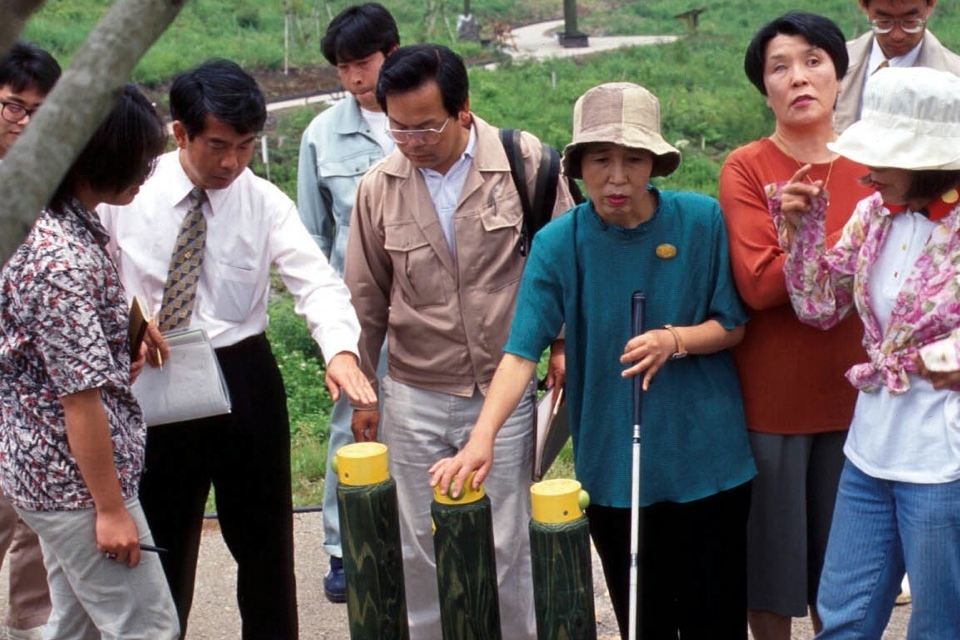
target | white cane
x=637, y=323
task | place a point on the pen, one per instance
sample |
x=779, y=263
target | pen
x=159, y=360
x=150, y=547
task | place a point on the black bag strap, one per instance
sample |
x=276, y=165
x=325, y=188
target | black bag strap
x=538, y=213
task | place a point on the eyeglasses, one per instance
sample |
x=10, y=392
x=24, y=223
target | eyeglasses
x=423, y=136
x=13, y=112
x=907, y=25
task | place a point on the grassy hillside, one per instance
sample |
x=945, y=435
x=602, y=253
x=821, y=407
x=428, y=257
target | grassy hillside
x=252, y=31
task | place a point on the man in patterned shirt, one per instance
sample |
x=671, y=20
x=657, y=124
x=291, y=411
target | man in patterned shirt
x=71, y=432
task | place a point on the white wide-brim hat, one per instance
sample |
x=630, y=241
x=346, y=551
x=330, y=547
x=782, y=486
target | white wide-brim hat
x=621, y=113
x=910, y=120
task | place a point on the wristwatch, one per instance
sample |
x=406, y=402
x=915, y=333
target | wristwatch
x=681, y=351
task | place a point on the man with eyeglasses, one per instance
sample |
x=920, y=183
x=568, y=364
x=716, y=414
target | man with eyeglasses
x=434, y=261
x=27, y=74
x=898, y=37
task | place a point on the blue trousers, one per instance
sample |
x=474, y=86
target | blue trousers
x=880, y=529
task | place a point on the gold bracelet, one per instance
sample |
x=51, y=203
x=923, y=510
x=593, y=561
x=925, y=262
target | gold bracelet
x=681, y=351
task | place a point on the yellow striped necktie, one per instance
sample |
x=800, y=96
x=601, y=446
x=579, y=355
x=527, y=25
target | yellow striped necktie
x=180, y=290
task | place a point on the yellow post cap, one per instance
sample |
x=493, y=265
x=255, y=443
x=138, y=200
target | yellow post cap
x=362, y=464
x=557, y=501
x=466, y=495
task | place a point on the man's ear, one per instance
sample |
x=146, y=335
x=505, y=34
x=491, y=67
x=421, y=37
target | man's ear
x=463, y=117
x=180, y=134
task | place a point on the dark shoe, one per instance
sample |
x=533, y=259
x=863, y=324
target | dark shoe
x=335, y=582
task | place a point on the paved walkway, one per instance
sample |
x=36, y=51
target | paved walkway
x=539, y=41
x=215, y=615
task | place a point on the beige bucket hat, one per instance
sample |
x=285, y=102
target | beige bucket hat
x=622, y=113
x=910, y=120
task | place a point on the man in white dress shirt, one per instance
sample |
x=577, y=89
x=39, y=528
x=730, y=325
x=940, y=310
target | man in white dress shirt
x=251, y=226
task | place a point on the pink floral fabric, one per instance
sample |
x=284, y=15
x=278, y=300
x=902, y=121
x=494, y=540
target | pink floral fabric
x=826, y=284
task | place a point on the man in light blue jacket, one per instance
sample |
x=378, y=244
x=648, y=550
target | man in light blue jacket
x=336, y=150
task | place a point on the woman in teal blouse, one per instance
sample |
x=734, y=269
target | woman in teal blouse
x=696, y=463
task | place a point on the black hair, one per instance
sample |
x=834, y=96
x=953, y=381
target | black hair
x=411, y=67
x=817, y=30
x=932, y=183
x=221, y=89
x=27, y=66
x=122, y=151
x=359, y=31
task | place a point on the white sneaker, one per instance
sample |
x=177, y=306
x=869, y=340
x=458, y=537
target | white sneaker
x=35, y=633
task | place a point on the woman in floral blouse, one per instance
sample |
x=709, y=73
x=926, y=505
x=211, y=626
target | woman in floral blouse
x=898, y=264
x=71, y=432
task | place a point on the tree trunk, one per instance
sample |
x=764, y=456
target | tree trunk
x=15, y=14
x=74, y=109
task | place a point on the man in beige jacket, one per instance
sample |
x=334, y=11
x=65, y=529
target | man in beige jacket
x=434, y=260
x=898, y=37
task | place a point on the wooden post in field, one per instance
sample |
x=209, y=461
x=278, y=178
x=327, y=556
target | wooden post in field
x=560, y=556
x=571, y=36
x=466, y=565
x=370, y=534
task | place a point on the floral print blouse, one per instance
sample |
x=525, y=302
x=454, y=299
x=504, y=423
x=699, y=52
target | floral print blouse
x=825, y=284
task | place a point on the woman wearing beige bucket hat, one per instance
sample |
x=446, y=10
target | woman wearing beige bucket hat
x=897, y=264
x=696, y=462
x=796, y=61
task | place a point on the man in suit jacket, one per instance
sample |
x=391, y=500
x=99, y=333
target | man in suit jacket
x=898, y=38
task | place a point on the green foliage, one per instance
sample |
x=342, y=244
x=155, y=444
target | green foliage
x=283, y=142
x=707, y=106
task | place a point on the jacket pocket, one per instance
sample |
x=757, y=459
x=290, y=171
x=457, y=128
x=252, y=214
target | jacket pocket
x=416, y=267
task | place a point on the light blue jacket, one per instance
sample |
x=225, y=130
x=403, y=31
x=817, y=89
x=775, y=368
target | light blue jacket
x=336, y=149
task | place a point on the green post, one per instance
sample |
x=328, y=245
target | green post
x=560, y=557
x=571, y=37
x=370, y=534
x=466, y=566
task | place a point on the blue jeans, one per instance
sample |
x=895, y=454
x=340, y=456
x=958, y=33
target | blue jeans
x=882, y=528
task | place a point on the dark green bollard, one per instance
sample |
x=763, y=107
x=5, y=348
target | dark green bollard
x=370, y=533
x=466, y=566
x=560, y=555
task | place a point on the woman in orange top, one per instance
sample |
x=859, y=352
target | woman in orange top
x=797, y=402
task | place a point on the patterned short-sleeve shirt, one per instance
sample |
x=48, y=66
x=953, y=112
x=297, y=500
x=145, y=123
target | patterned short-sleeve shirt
x=63, y=329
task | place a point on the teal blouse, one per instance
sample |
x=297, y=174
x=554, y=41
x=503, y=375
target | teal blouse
x=582, y=273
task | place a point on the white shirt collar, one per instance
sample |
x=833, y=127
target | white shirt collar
x=908, y=59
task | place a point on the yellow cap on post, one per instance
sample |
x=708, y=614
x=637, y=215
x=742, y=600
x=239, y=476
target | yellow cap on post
x=557, y=501
x=466, y=496
x=361, y=464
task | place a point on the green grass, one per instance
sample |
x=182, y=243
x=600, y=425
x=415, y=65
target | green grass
x=707, y=106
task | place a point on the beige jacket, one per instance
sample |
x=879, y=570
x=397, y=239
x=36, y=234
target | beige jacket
x=447, y=320
x=932, y=54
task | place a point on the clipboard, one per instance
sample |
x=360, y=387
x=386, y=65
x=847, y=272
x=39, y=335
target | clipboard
x=552, y=432
x=189, y=386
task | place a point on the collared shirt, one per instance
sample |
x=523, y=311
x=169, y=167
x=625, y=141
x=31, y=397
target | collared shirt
x=909, y=59
x=64, y=330
x=446, y=319
x=445, y=189
x=336, y=149
x=251, y=227
x=902, y=429
x=377, y=121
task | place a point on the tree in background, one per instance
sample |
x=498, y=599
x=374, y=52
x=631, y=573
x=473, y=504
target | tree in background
x=74, y=109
